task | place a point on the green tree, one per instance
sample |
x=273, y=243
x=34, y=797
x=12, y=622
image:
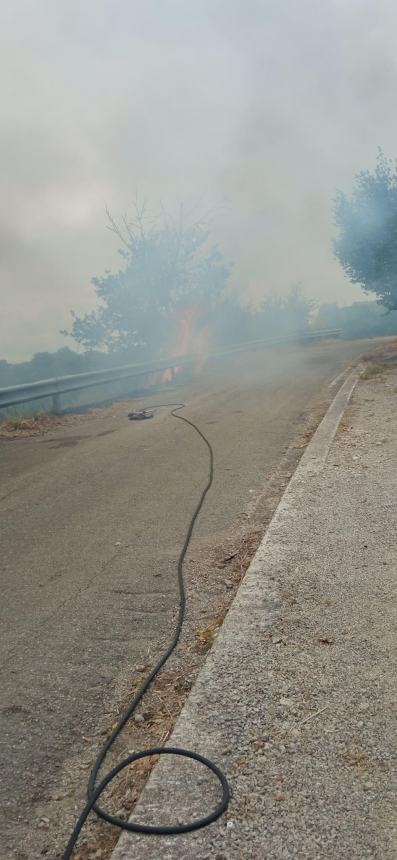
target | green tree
x=367, y=222
x=361, y=319
x=167, y=265
x=282, y=315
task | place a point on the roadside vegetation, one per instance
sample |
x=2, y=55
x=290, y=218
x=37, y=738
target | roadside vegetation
x=367, y=227
x=20, y=426
x=172, y=294
x=281, y=316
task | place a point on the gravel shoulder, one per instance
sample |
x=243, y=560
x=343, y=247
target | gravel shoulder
x=297, y=700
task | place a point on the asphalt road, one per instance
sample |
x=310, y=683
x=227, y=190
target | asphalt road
x=92, y=519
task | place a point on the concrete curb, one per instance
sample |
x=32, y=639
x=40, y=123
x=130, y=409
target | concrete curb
x=201, y=724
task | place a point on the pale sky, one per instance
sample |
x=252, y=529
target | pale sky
x=259, y=108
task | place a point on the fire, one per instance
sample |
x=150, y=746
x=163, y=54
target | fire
x=190, y=338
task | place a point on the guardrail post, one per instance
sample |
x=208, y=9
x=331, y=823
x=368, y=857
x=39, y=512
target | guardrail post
x=56, y=402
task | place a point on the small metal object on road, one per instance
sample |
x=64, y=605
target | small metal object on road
x=141, y=415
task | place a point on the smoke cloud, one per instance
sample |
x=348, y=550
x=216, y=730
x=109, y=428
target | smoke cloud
x=257, y=110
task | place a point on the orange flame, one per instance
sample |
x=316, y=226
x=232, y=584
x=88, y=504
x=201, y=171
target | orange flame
x=188, y=339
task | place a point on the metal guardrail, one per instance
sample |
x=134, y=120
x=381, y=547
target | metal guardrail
x=17, y=394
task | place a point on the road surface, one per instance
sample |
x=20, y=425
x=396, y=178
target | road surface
x=92, y=519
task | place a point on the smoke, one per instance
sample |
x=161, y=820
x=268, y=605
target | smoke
x=259, y=110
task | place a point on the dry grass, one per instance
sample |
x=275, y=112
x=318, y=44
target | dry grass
x=386, y=349
x=237, y=563
x=205, y=638
x=355, y=758
x=20, y=426
x=373, y=370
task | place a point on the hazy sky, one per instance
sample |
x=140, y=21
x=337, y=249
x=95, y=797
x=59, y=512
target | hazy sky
x=263, y=106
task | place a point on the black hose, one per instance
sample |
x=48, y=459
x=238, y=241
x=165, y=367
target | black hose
x=95, y=790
